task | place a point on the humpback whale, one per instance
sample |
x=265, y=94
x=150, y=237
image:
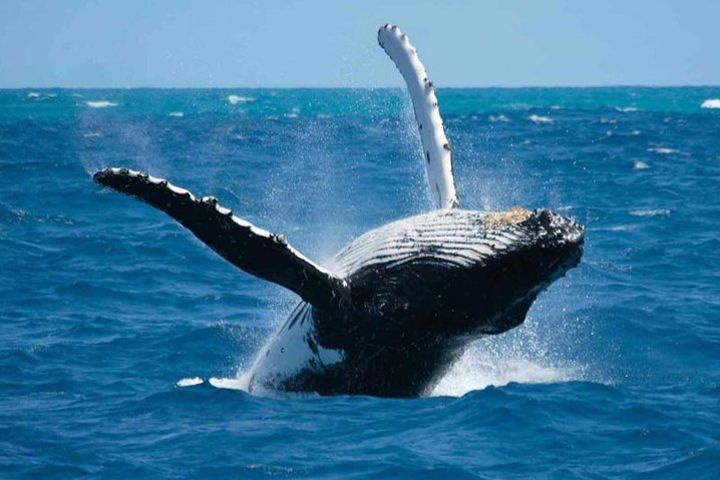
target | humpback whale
x=401, y=302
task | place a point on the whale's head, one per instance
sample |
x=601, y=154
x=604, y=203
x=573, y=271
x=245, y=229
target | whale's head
x=459, y=272
x=556, y=240
x=530, y=250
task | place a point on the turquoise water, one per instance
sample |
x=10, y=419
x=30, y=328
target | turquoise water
x=106, y=304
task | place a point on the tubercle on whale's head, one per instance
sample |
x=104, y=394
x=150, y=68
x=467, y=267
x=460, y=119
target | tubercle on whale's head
x=509, y=216
x=556, y=243
x=555, y=230
x=541, y=247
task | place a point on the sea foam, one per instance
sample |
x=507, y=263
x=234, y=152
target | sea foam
x=189, y=382
x=476, y=372
x=540, y=119
x=499, y=118
x=663, y=150
x=100, y=104
x=235, y=99
x=658, y=212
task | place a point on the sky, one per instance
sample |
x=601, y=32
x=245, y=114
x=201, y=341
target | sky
x=267, y=43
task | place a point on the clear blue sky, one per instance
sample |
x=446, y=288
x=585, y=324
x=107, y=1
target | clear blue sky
x=128, y=43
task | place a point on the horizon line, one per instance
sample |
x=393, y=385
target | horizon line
x=382, y=87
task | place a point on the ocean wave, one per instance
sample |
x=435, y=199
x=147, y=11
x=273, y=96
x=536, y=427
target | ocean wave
x=100, y=104
x=40, y=96
x=626, y=109
x=538, y=119
x=499, y=118
x=711, y=103
x=663, y=150
x=294, y=113
x=176, y=114
x=235, y=99
x=659, y=212
x=520, y=106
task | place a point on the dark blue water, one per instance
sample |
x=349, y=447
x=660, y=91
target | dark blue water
x=106, y=304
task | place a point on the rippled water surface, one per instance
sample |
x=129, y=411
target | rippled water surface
x=122, y=336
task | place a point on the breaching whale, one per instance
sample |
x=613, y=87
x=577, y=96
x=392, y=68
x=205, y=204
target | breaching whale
x=401, y=302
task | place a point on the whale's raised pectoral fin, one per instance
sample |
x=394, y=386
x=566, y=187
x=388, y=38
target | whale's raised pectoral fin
x=437, y=152
x=257, y=251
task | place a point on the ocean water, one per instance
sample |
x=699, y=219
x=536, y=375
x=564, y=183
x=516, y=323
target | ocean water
x=122, y=337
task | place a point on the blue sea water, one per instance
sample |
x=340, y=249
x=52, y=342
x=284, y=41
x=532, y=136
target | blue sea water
x=107, y=306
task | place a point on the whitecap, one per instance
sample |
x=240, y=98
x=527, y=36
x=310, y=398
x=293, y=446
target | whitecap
x=92, y=135
x=100, y=104
x=540, y=119
x=711, y=103
x=520, y=106
x=623, y=228
x=294, y=112
x=40, y=96
x=189, y=382
x=640, y=165
x=176, y=114
x=499, y=118
x=663, y=150
x=626, y=109
x=659, y=212
x=235, y=99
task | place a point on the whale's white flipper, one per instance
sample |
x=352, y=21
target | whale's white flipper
x=436, y=148
x=257, y=251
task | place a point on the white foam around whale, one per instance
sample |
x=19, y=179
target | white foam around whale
x=523, y=356
x=189, y=382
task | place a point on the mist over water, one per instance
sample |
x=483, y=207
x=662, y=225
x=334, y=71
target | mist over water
x=125, y=341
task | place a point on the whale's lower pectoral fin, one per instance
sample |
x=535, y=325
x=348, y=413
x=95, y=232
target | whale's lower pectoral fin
x=257, y=251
